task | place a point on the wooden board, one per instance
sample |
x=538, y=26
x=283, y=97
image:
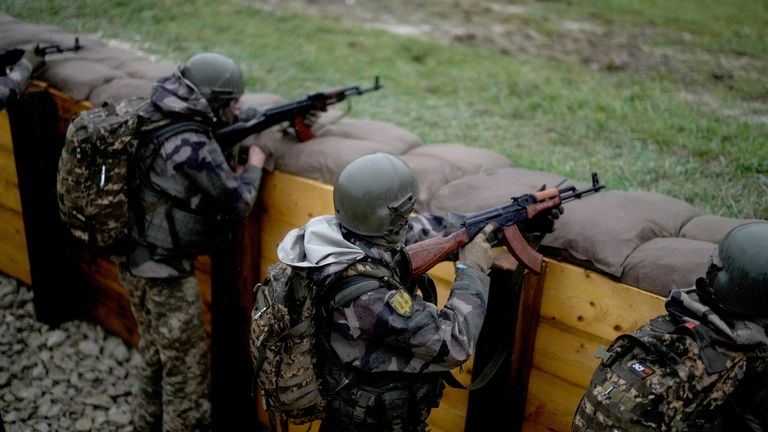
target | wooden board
x=14, y=260
x=591, y=302
x=580, y=311
x=551, y=402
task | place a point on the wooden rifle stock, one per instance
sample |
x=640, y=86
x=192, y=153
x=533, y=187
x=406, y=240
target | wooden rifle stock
x=428, y=253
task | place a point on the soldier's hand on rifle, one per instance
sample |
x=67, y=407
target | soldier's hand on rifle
x=256, y=156
x=34, y=59
x=544, y=222
x=477, y=253
x=274, y=146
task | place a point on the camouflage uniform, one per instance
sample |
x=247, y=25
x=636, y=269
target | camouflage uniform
x=689, y=370
x=383, y=349
x=188, y=193
x=14, y=83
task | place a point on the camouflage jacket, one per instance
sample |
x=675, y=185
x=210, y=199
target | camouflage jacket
x=689, y=370
x=188, y=191
x=14, y=83
x=391, y=328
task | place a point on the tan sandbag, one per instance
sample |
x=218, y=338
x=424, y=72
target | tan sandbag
x=77, y=78
x=711, y=228
x=16, y=34
x=605, y=228
x=260, y=101
x=146, y=69
x=123, y=88
x=397, y=139
x=469, y=160
x=101, y=53
x=431, y=174
x=323, y=158
x=663, y=264
x=481, y=191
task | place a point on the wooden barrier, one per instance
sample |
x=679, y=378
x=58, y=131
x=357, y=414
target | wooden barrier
x=14, y=260
x=580, y=311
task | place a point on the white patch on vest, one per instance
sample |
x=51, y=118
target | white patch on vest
x=354, y=324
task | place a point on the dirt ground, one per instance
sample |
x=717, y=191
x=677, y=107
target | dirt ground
x=504, y=27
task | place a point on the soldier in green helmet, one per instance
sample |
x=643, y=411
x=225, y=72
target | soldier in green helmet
x=187, y=195
x=704, y=365
x=381, y=346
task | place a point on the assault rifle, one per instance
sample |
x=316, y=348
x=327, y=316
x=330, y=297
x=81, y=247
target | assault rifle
x=426, y=254
x=12, y=56
x=292, y=112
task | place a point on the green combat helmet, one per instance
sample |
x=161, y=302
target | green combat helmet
x=374, y=195
x=738, y=272
x=218, y=79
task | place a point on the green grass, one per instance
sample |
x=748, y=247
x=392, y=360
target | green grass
x=639, y=132
x=736, y=26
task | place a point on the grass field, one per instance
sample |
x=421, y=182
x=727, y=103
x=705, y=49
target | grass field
x=687, y=116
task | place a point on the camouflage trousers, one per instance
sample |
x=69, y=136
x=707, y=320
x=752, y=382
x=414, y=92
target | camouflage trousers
x=173, y=375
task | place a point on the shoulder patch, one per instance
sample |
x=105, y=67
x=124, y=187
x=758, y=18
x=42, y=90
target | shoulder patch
x=401, y=302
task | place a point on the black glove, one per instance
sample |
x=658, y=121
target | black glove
x=543, y=223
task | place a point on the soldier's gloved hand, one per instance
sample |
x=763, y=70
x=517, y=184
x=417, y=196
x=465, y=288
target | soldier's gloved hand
x=544, y=222
x=256, y=156
x=34, y=59
x=274, y=145
x=477, y=253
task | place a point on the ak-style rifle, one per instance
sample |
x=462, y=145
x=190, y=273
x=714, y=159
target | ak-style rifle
x=426, y=254
x=292, y=112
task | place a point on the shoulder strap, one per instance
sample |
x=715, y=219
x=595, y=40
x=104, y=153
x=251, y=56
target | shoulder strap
x=347, y=289
x=164, y=133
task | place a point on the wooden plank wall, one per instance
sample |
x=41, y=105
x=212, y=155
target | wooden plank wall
x=14, y=260
x=580, y=311
x=288, y=202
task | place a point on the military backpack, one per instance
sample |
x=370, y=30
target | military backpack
x=96, y=164
x=665, y=376
x=282, y=342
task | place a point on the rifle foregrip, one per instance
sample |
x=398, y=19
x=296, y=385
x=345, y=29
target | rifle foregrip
x=426, y=254
x=536, y=208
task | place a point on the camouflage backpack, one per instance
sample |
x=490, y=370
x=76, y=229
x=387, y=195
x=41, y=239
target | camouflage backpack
x=283, y=344
x=286, y=309
x=92, y=181
x=662, y=377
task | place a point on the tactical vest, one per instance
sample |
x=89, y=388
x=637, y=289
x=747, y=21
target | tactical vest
x=665, y=376
x=168, y=222
x=360, y=400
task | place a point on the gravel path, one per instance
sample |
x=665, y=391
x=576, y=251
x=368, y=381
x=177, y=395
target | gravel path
x=71, y=378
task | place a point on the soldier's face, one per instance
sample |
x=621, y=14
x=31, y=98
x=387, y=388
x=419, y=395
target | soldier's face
x=226, y=111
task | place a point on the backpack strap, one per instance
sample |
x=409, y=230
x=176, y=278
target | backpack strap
x=349, y=288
